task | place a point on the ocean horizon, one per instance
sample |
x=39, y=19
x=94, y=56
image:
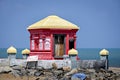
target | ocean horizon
x=84, y=54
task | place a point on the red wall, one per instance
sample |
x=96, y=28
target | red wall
x=40, y=35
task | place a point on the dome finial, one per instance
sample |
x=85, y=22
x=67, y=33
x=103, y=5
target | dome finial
x=25, y=51
x=73, y=52
x=11, y=50
x=104, y=52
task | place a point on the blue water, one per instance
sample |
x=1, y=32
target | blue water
x=84, y=54
x=93, y=53
x=3, y=53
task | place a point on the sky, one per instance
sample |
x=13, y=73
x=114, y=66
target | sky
x=99, y=20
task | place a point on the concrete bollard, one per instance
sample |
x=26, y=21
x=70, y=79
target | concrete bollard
x=25, y=53
x=104, y=56
x=11, y=55
x=73, y=55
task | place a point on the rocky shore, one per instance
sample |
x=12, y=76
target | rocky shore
x=55, y=73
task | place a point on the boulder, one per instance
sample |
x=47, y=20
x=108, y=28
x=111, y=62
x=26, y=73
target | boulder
x=17, y=67
x=66, y=78
x=54, y=65
x=73, y=71
x=15, y=73
x=99, y=64
x=23, y=71
x=5, y=69
x=30, y=72
x=31, y=65
x=39, y=68
x=58, y=72
x=38, y=73
x=48, y=73
x=66, y=68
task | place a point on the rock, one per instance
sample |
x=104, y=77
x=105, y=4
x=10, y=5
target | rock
x=23, y=72
x=39, y=68
x=38, y=73
x=42, y=78
x=31, y=72
x=117, y=77
x=73, y=71
x=92, y=75
x=66, y=78
x=99, y=64
x=87, y=71
x=88, y=77
x=47, y=77
x=37, y=79
x=102, y=70
x=17, y=68
x=66, y=68
x=58, y=73
x=52, y=78
x=32, y=65
x=15, y=73
x=101, y=74
x=54, y=65
x=5, y=69
x=48, y=73
x=108, y=74
x=101, y=78
x=91, y=70
x=75, y=78
x=110, y=71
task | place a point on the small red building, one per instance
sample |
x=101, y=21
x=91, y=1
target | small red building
x=52, y=37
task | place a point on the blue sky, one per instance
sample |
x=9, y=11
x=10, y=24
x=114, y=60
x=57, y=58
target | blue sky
x=99, y=20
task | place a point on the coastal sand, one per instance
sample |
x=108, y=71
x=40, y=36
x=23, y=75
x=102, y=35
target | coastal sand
x=115, y=69
x=11, y=77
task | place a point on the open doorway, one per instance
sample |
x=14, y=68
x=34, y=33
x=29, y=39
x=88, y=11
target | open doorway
x=59, y=49
x=71, y=44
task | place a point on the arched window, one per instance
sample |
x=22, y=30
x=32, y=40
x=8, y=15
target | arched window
x=33, y=45
x=40, y=44
x=44, y=44
x=47, y=44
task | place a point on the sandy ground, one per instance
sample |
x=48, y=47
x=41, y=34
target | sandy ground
x=11, y=77
x=114, y=69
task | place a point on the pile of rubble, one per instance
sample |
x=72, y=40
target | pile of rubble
x=64, y=73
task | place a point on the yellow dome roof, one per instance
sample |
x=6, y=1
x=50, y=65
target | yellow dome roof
x=72, y=52
x=25, y=51
x=53, y=22
x=11, y=50
x=104, y=52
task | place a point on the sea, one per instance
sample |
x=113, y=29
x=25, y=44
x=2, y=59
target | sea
x=84, y=54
